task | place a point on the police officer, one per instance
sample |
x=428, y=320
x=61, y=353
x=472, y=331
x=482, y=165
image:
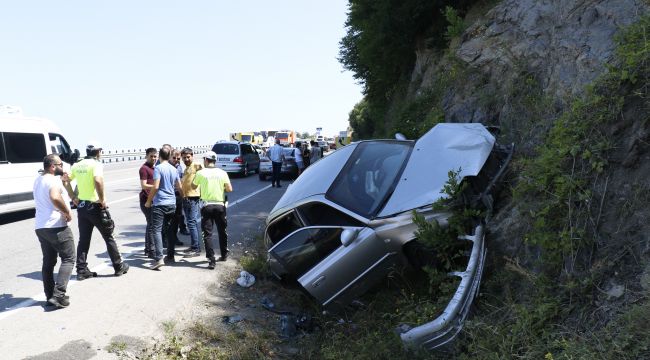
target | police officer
x=213, y=183
x=92, y=212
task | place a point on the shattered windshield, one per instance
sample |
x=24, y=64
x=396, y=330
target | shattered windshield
x=369, y=176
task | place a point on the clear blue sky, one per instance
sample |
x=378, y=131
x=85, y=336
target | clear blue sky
x=141, y=73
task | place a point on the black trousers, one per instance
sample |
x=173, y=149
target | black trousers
x=89, y=217
x=56, y=242
x=214, y=214
x=277, y=170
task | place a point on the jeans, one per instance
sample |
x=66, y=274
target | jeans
x=277, y=170
x=216, y=214
x=89, y=217
x=56, y=241
x=148, y=234
x=162, y=217
x=192, y=208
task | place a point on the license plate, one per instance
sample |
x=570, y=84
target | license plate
x=223, y=159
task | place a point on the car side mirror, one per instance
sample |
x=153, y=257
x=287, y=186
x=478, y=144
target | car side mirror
x=348, y=236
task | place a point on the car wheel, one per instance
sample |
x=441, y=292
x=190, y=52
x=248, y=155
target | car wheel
x=262, y=177
x=245, y=170
x=419, y=255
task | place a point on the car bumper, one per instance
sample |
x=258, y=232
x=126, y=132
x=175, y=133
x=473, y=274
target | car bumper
x=231, y=167
x=445, y=327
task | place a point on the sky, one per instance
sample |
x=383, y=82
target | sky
x=134, y=74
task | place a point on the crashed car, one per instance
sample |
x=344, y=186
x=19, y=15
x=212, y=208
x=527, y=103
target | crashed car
x=347, y=221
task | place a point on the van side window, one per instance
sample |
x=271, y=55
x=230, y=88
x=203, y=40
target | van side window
x=59, y=145
x=3, y=154
x=24, y=148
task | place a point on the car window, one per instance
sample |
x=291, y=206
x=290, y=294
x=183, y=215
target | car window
x=317, y=213
x=369, y=176
x=284, y=226
x=226, y=149
x=24, y=148
x=306, y=248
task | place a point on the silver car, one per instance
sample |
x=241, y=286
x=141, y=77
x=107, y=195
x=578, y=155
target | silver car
x=347, y=221
x=289, y=165
x=237, y=157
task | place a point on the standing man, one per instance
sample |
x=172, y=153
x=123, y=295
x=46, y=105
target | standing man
x=213, y=184
x=51, y=224
x=316, y=153
x=162, y=202
x=276, y=154
x=92, y=212
x=175, y=161
x=191, y=201
x=146, y=184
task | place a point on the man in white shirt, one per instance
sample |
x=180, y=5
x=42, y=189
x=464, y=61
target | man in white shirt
x=276, y=155
x=51, y=223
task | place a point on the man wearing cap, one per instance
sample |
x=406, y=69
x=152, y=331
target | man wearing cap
x=92, y=212
x=213, y=184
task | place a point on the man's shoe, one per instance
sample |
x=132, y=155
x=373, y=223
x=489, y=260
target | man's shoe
x=59, y=301
x=123, y=269
x=191, y=254
x=85, y=274
x=169, y=260
x=157, y=264
x=212, y=264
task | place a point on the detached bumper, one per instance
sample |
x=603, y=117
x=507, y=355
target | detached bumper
x=445, y=327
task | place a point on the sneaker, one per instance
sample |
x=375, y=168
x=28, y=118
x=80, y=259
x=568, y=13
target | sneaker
x=192, y=253
x=123, y=269
x=59, y=301
x=157, y=264
x=85, y=274
x=169, y=260
x=212, y=264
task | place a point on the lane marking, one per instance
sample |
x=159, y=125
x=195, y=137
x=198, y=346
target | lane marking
x=126, y=255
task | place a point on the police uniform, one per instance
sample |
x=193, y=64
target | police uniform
x=212, y=182
x=91, y=215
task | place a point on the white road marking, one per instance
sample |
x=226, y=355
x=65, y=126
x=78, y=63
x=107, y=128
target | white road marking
x=41, y=297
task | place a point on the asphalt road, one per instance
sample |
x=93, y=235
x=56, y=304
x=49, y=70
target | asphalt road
x=109, y=307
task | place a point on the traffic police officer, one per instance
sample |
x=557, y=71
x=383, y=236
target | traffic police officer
x=213, y=183
x=92, y=212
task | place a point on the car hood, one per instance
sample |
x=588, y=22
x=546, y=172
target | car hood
x=445, y=147
x=315, y=180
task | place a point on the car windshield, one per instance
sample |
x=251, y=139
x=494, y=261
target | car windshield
x=226, y=149
x=369, y=176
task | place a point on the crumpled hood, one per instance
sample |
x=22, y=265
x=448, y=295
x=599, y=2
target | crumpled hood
x=445, y=147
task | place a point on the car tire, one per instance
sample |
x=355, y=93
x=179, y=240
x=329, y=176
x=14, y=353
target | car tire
x=245, y=173
x=262, y=177
x=419, y=255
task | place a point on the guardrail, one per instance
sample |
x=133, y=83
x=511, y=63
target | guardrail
x=123, y=155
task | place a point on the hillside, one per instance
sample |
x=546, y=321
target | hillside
x=567, y=82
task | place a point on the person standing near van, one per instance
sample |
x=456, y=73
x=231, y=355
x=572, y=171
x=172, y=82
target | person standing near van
x=93, y=213
x=146, y=183
x=51, y=227
x=213, y=184
x=276, y=155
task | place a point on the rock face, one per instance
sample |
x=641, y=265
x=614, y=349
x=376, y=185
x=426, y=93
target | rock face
x=565, y=42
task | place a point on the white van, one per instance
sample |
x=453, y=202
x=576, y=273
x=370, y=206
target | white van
x=24, y=142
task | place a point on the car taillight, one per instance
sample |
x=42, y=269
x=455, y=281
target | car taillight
x=238, y=159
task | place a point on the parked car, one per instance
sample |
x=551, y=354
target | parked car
x=324, y=146
x=289, y=166
x=237, y=157
x=347, y=221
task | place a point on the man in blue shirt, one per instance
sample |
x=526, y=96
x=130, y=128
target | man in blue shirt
x=162, y=200
x=276, y=155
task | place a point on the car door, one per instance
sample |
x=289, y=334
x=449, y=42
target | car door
x=333, y=263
